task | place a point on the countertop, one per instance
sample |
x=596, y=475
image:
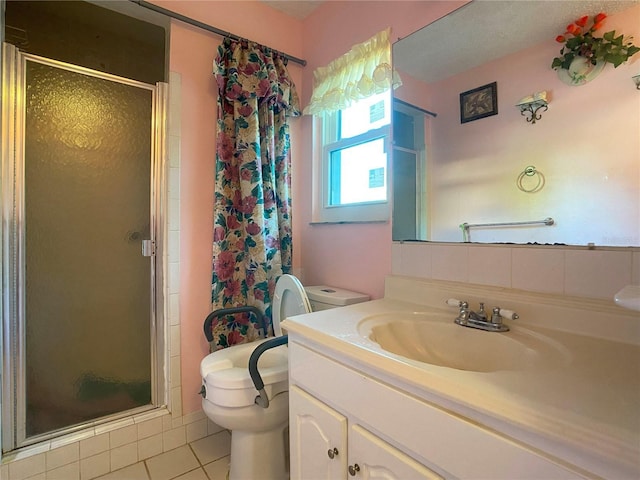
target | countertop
x=585, y=410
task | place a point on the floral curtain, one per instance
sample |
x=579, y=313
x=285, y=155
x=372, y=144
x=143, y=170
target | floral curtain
x=252, y=210
x=363, y=71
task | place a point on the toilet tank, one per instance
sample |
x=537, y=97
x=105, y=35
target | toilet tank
x=323, y=297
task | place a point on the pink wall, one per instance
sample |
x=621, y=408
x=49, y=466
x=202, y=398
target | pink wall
x=413, y=91
x=353, y=256
x=192, y=52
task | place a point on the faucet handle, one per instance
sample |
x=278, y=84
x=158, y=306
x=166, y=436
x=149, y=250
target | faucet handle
x=500, y=313
x=454, y=302
x=510, y=314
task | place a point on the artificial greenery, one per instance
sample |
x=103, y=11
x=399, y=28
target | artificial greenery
x=580, y=41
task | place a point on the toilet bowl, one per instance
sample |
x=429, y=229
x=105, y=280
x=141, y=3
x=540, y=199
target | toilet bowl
x=258, y=435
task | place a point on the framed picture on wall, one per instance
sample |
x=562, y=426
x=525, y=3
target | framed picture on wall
x=479, y=103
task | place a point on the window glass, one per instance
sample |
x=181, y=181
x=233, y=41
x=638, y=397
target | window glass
x=358, y=173
x=366, y=114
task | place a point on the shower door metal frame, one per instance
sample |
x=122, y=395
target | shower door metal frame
x=12, y=244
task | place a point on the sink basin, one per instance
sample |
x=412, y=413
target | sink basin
x=436, y=340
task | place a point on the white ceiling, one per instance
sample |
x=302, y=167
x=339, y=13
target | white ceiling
x=485, y=30
x=299, y=9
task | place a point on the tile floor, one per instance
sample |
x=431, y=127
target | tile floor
x=204, y=459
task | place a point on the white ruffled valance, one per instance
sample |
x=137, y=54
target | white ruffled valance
x=363, y=71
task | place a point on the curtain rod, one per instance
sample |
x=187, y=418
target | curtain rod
x=204, y=26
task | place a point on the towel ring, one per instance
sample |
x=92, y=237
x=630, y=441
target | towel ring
x=530, y=171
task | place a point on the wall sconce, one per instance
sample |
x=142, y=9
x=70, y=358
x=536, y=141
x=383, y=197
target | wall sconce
x=531, y=105
x=636, y=80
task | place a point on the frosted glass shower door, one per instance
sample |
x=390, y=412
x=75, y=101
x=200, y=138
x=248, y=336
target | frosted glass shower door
x=87, y=287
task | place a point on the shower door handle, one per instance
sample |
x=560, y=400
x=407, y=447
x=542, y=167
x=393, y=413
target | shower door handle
x=148, y=248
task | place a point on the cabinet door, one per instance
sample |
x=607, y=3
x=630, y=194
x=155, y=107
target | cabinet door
x=371, y=458
x=318, y=439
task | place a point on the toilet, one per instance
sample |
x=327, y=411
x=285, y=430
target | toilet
x=259, y=435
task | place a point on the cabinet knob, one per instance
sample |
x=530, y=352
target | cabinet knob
x=353, y=469
x=332, y=452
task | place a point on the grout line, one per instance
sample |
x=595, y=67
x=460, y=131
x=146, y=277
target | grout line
x=206, y=475
x=162, y=453
x=146, y=468
x=195, y=454
x=189, y=471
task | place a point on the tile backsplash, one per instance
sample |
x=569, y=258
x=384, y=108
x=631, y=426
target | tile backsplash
x=573, y=271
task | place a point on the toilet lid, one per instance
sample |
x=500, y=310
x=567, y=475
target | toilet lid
x=290, y=299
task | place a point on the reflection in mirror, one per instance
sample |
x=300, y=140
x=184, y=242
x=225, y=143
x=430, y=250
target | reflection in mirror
x=584, y=152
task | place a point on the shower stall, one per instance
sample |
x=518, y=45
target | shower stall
x=82, y=247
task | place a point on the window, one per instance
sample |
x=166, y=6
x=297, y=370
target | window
x=354, y=163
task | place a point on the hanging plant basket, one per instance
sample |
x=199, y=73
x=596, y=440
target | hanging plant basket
x=580, y=71
x=583, y=55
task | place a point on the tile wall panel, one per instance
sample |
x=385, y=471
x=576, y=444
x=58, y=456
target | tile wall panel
x=490, y=266
x=538, y=270
x=576, y=271
x=450, y=262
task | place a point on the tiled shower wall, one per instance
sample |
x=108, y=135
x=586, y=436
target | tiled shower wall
x=574, y=271
x=104, y=448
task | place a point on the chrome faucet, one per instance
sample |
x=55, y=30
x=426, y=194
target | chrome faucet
x=468, y=318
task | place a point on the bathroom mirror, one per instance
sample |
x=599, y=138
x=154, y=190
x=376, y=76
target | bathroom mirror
x=574, y=173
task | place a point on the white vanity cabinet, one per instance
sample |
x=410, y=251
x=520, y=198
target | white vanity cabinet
x=341, y=417
x=324, y=446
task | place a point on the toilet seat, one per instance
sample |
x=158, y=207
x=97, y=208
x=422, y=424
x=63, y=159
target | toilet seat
x=225, y=373
x=289, y=299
